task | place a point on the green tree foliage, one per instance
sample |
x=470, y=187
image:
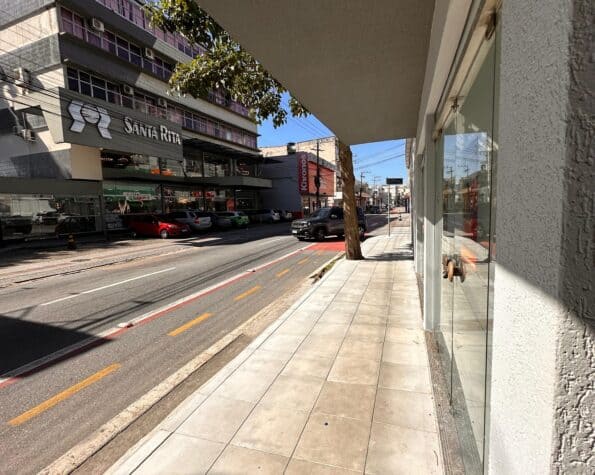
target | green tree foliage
x=225, y=66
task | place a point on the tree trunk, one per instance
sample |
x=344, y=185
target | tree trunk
x=352, y=245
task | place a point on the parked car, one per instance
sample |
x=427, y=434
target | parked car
x=196, y=220
x=265, y=215
x=75, y=224
x=157, y=225
x=238, y=218
x=326, y=222
x=284, y=214
x=219, y=221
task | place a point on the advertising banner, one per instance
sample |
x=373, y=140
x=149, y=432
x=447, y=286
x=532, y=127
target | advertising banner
x=303, y=182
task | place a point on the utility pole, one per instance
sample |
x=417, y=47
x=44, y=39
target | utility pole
x=361, y=186
x=317, y=179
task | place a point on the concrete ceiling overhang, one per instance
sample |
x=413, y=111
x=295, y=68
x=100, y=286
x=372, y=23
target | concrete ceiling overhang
x=357, y=65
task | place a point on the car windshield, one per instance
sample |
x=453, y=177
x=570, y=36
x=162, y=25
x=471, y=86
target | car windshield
x=320, y=213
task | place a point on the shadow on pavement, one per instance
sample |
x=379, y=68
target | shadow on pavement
x=22, y=342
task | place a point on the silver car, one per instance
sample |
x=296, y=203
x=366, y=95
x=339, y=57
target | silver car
x=196, y=221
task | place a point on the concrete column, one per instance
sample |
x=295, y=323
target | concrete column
x=432, y=244
x=417, y=212
x=543, y=360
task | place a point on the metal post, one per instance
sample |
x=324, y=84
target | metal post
x=388, y=211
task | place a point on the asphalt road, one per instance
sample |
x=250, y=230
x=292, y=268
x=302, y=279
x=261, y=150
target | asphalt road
x=46, y=409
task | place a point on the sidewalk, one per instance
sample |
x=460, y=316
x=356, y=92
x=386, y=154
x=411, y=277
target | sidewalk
x=339, y=384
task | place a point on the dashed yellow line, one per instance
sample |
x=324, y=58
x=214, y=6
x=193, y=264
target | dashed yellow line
x=282, y=273
x=190, y=324
x=44, y=406
x=303, y=261
x=248, y=292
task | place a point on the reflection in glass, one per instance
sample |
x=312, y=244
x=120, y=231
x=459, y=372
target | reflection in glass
x=467, y=244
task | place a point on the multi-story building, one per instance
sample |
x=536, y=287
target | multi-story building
x=327, y=149
x=88, y=128
x=294, y=178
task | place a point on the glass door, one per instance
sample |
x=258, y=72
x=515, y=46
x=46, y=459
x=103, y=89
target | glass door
x=466, y=149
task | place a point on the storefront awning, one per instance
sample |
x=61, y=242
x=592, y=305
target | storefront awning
x=358, y=66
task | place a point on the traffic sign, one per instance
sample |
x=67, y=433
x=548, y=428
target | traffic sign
x=394, y=181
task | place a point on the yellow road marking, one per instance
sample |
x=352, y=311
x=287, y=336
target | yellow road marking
x=248, y=292
x=71, y=391
x=190, y=324
x=282, y=273
x=303, y=260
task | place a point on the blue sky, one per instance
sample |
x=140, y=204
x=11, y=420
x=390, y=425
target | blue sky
x=378, y=159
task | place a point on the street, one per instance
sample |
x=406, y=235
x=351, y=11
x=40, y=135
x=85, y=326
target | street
x=71, y=360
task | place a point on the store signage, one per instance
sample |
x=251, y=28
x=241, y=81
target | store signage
x=394, y=181
x=162, y=133
x=82, y=114
x=303, y=173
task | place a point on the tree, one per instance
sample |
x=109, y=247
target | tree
x=226, y=67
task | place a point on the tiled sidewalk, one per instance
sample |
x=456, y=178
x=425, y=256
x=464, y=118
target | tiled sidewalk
x=339, y=384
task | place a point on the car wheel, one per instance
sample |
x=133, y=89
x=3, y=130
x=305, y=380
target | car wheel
x=301, y=238
x=164, y=234
x=340, y=235
x=319, y=234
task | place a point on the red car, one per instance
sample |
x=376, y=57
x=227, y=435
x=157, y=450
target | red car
x=157, y=225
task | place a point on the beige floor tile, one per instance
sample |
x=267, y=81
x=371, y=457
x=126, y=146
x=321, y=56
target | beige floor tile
x=283, y=343
x=401, y=353
x=336, y=317
x=405, y=409
x=405, y=335
x=333, y=440
x=401, y=451
x=181, y=455
x=272, y=428
x=263, y=361
x=228, y=413
x=354, y=371
x=368, y=319
x=183, y=411
x=295, y=327
x=301, y=365
x=405, y=377
x=335, y=330
x=245, y=385
x=320, y=346
x=366, y=332
x=346, y=400
x=348, y=297
x=294, y=392
x=353, y=348
x=303, y=467
x=242, y=461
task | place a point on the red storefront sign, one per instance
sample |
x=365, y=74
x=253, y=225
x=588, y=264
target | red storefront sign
x=302, y=162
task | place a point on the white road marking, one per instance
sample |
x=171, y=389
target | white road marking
x=106, y=286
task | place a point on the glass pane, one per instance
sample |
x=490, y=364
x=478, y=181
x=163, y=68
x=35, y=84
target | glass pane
x=472, y=205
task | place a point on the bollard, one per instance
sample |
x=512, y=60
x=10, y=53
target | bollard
x=71, y=243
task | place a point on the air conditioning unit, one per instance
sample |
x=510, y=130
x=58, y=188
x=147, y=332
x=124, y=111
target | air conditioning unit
x=28, y=135
x=161, y=102
x=128, y=90
x=97, y=25
x=149, y=53
x=21, y=76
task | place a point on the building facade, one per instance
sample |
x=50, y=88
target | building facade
x=327, y=149
x=499, y=97
x=89, y=129
x=294, y=179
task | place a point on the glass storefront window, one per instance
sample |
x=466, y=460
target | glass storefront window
x=465, y=150
x=25, y=216
x=217, y=166
x=122, y=198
